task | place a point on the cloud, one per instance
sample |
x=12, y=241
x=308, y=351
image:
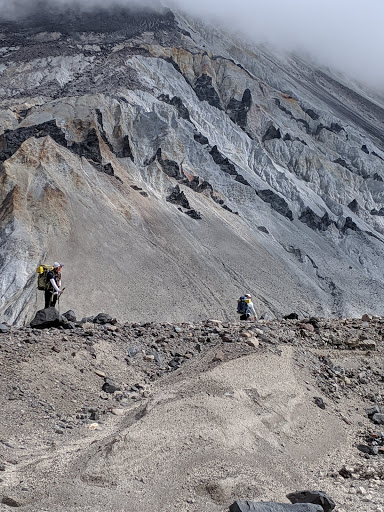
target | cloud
x=343, y=34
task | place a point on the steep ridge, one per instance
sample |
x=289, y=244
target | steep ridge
x=166, y=163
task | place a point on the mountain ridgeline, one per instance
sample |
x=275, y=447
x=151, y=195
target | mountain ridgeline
x=172, y=168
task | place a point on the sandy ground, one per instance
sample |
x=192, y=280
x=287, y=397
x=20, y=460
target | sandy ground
x=204, y=414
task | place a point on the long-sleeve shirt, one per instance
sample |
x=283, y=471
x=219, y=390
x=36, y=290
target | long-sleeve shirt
x=252, y=309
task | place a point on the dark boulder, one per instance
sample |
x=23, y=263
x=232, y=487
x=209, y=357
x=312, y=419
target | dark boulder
x=46, y=318
x=103, y=318
x=315, y=497
x=70, y=316
x=291, y=316
x=268, y=506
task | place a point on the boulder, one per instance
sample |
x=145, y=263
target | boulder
x=268, y=506
x=70, y=316
x=378, y=419
x=103, y=318
x=46, y=318
x=314, y=497
x=4, y=328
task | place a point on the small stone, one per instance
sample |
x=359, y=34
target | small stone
x=252, y=342
x=246, y=334
x=11, y=502
x=378, y=419
x=117, y=412
x=99, y=373
x=366, y=318
x=219, y=356
x=94, y=426
x=367, y=345
x=56, y=349
x=4, y=328
x=308, y=327
x=109, y=388
x=149, y=357
x=319, y=402
x=362, y=491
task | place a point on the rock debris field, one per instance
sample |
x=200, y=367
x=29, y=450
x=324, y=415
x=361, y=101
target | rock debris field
x=103, y=416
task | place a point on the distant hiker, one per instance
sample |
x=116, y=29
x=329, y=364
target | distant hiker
x=53, y=285
x=245, y=307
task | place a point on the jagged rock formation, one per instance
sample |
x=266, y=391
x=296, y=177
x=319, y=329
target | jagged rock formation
x=279, y=167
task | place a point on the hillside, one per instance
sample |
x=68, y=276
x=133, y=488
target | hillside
x=172, y=168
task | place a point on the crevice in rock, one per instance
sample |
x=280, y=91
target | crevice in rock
x=178, y=197
x=205, y=91
x=378, y=212
x=278, y=203
x=226, y=166
x=365, y=149
x=314, y=221
x=238, y=110
x=377, y=177
x=272, y=133
x=201, y=139
x=178, y=104
x=169, y=167
x=354, y=206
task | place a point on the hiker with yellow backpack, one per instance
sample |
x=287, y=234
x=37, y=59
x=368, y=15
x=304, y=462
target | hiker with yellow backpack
x=49, y=280
x=245, y=307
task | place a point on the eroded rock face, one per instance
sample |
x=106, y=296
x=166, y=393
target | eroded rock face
x=101, y=123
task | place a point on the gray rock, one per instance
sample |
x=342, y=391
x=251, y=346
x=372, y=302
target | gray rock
x=70, y=316
x=102, y=318
x=46, y=318
x=4, y=328
x=378, y=419
x=371, y=411
x=315, y=497
x=268, y=506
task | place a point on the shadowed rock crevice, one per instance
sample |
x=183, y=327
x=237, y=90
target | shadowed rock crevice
x=11, y=140
x=314, y=221
x=205, y=91
x=88, y=148
x=271, y=133
x=178, y=104
x=226, y=166
x=238, y=110
x=178, y=197
x=278, y=203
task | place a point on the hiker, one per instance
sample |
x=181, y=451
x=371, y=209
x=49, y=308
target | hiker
x=245, y=307
x=53, y=285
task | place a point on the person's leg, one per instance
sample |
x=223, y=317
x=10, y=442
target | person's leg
x=47, y=298
x=53, y=301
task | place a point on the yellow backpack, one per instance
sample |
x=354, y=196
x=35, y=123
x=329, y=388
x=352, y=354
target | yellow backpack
x=42, y=271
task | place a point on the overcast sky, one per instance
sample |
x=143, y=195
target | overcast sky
x=345, y=34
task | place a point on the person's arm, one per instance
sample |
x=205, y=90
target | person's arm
x=54, y=284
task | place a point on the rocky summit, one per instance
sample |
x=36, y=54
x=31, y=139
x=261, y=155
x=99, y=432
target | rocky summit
x=166, y=163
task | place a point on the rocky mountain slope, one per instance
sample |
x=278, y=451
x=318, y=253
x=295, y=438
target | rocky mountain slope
x=112, y=416
x=169, y=165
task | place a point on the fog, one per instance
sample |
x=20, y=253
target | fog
x=346, y=35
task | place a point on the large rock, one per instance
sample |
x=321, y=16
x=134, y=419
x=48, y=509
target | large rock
x=268, y=506
x=103, y=318
x=46, y=318
x=316, y=497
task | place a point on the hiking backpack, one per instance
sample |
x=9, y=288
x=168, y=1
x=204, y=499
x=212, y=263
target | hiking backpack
x=42, y=272
x=242, y=306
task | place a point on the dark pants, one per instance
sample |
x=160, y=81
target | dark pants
x=245, y=317
x=50, y=299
